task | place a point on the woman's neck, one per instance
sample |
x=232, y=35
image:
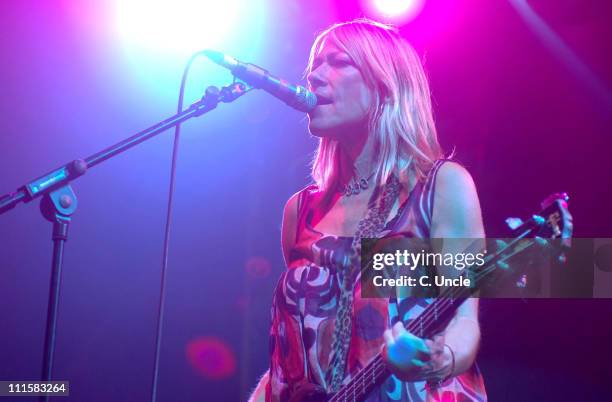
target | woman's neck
x=356, y=159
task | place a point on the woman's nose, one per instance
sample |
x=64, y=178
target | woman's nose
x=314, y=78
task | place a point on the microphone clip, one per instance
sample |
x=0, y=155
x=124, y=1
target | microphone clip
x=233, y=91
x=213, y=95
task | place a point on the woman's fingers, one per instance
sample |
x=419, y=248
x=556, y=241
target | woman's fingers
x=436, y=346
x=388, y=335
x=418, y=363
x=398, y=329
x=439, y=341
x=403, y=347
x=410, y=357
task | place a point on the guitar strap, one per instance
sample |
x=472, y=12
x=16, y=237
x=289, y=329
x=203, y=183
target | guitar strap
x=369, y=227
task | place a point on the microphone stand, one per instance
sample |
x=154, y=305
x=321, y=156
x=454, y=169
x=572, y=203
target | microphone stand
x=59, y=201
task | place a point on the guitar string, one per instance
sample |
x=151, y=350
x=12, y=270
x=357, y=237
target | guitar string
x=425, y=318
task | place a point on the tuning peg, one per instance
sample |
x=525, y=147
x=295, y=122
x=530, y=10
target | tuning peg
x=503, y=265
x=538, y=220
x=562, y=258
x=500, y=244
x=541, y=241
x=552, y=198
x=514, y=223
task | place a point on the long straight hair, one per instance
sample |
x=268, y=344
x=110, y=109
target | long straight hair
x=400, y=119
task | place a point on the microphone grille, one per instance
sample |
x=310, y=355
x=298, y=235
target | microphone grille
x=305, y=100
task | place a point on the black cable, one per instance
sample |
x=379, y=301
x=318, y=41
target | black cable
x=162, y=296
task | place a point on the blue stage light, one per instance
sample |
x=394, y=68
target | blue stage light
x=178, y=26
x=157, y=37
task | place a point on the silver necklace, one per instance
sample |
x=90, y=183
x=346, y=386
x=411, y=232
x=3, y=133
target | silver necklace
x=356, y=186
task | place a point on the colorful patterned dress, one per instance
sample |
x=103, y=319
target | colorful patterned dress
x=305, y=303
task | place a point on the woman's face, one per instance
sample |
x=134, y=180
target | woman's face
x=337, y=81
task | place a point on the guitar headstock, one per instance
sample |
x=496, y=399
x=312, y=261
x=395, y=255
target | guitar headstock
x=532, y=243
x=557, y=215
x=553, y=222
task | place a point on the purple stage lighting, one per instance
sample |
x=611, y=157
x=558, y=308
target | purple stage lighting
x=394, y=11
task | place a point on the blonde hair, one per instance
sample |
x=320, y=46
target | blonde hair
x=401, y=117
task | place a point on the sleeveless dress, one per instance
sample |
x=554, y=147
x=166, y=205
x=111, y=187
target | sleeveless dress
x=305, y=302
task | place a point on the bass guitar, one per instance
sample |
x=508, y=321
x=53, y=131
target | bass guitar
x=553, y=222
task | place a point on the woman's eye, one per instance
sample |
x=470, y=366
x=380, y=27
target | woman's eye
x=341, y=62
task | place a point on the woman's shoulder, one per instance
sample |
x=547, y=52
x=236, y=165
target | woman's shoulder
x=291, y=215
x=297, y=202
x=445, y=164
x=452, y=175
x=456, y=211
x=445, y=169
x=294, y=202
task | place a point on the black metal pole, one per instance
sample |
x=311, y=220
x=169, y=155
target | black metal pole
x=60, y=235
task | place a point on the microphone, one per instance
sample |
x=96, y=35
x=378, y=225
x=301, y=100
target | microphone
x=295, y=96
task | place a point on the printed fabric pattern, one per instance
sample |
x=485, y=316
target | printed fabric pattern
x=304, y=309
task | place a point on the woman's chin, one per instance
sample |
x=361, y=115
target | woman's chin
x=320, y=130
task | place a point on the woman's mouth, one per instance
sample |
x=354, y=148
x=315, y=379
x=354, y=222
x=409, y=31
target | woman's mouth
x=323, y=100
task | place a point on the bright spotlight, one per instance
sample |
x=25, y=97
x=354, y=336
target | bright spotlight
x=157, y=37
x=395, y=11
x=177, y=26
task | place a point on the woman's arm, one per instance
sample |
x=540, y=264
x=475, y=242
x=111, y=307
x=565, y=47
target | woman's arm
x=456, y=215
x=289, y=225
x=259, y=394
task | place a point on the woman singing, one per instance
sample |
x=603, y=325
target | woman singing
x=379, y=171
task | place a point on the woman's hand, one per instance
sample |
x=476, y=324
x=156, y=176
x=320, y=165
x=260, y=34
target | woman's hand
x=411, y=358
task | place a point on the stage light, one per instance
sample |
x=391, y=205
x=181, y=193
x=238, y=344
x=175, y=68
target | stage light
x=211, y=357
x=393, y=7
x=157, y=37
x=178, y=26
x=395, y=11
